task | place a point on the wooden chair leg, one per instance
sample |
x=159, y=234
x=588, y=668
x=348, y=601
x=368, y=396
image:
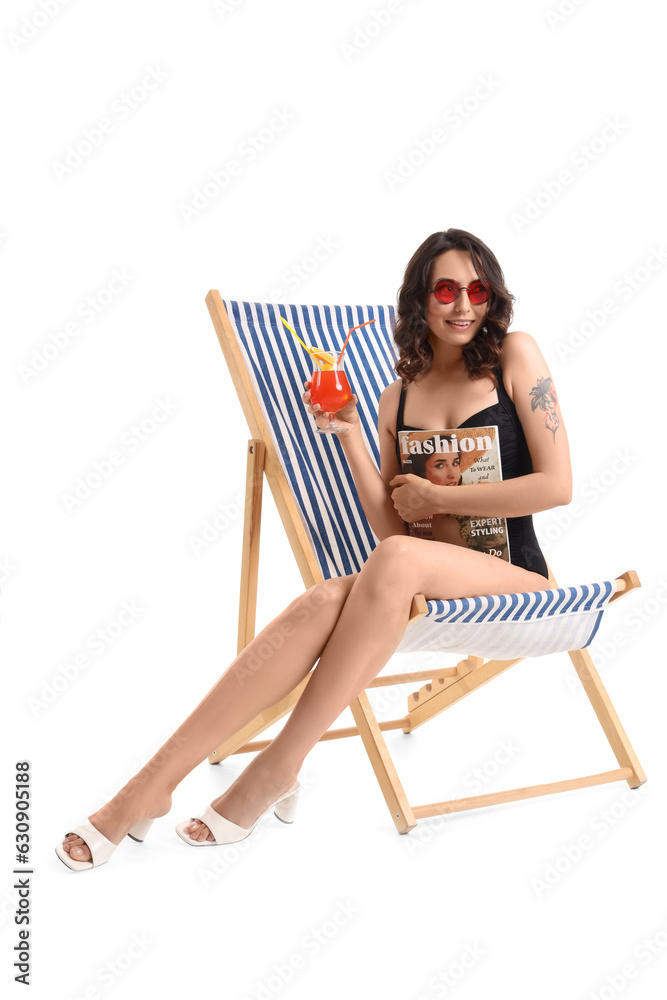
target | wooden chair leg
x=383, y=765
x=600, y=700
x=248, y=597
x=252, y=520
x=606, y=713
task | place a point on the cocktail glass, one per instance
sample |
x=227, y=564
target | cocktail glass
x=330, y=389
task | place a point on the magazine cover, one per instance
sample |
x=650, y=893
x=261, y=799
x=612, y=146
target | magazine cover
x=456, y=457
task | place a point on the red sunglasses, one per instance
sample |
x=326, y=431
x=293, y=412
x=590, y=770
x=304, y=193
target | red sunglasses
x=448, y=290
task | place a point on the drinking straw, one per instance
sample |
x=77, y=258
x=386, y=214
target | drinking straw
x=348, y=337
x=307, y=349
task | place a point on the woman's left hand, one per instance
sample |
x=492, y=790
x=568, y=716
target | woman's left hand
x=414, y=497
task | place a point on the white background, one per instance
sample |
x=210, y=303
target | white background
x=360, y=97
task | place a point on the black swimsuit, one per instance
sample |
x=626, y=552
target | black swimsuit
x=515, y=460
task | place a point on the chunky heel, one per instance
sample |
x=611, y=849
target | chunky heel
x=139, y=831
x=285, y=809
x=226, y=832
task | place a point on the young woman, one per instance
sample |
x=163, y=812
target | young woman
x=459, y=366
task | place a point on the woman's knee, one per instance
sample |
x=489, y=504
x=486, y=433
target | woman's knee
x=394, y=550
x=387, y=568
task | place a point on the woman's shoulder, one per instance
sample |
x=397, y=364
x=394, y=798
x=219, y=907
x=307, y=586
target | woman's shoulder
x=391, y=393
x=519, y=349
x=517, y=343
x=388, y=405
x=520, y=356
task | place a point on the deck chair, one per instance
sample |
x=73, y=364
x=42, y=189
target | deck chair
x=315, y=496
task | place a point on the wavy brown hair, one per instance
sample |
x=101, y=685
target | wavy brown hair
x=412, y=333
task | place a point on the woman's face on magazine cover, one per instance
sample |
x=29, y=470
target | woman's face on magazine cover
x=444, y=469
x=440, y=316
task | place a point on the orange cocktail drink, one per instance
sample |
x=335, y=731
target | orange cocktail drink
x=330, y=390
x=329, y=387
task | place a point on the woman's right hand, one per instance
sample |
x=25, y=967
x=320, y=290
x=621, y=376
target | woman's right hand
x=346, y=419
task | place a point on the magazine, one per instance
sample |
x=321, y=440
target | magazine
x=460, y=456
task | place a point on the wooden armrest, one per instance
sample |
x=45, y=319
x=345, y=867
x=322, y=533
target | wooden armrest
x=418, y=608
x=625, y=583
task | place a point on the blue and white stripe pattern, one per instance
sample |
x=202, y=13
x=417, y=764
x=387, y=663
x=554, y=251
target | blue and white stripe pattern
x=314, y=464
x=505, y=625
x=511, y=625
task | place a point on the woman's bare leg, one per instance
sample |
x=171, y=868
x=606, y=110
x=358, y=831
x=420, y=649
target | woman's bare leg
x=369, y=629
x=364, y=618
x=270, y=666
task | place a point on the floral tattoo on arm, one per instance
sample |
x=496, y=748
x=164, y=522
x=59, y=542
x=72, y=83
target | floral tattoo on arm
x=544, y=396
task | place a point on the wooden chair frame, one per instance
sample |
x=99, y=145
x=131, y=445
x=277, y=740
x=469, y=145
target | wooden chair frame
x=446, y=685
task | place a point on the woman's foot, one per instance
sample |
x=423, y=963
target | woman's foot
x=134, y=802
x=246, y=800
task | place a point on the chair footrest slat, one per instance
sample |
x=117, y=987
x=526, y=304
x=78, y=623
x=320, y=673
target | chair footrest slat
x=531, y=791
x=415, y=675
x=331, y=734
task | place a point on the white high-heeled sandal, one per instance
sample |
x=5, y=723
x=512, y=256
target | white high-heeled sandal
x=226, y=832
x=100, y=848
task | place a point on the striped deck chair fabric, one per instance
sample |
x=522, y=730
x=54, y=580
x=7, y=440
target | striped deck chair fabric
x=314, y=464
x=530, y=624
x=507, y=625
